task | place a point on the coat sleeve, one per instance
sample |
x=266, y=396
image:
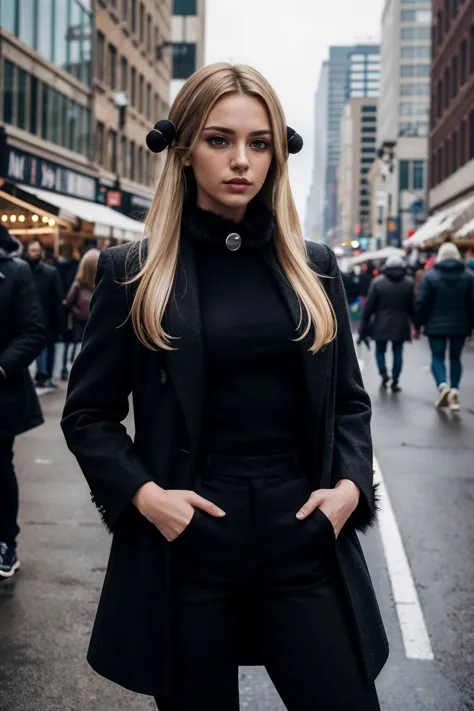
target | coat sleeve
x=27, y=317
x=369, y=309
x=353, y=455
x=97, y=401
x=423, y=302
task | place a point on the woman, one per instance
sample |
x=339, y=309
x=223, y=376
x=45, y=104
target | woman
x=79, y=296
x=390, y=305
x=252, y=450
x=445, y=308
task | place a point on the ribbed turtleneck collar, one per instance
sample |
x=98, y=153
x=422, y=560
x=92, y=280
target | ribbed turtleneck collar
x=255, y=230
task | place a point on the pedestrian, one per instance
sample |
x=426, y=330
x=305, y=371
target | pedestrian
x=387, y=317
x=445, y=308
x=48, y=285
x=67, y=266
x=22, y=337
x=79, y=297
x=235, y=509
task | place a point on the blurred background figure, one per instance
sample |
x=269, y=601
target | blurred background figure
x=387, y=317
x=67, y=266
x=22, y=337
x=79, y=297
x=445, y=308
x=48, y=286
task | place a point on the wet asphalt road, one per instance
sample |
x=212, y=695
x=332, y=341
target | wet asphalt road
x=427, y=460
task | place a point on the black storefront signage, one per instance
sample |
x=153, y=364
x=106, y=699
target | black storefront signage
x=22, y=167
x=130, y=204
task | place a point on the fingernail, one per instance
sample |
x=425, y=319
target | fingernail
x=300, y=514
x=221, y=512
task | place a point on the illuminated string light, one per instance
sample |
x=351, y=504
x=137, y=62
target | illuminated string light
x=12, y=218
x=35, y=218
x=21, y=218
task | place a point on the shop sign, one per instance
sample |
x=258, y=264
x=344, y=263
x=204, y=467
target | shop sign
x=39, y=173
x=114, y=198
x=393, y=232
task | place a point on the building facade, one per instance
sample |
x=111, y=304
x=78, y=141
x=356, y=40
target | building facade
x=452, y=113
x=132, y=75
x=188, y=36
x=357, y=153
x=400, y=183
x=315, y=205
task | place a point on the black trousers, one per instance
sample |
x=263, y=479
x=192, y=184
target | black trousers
x=262, y=558
x=9, y=529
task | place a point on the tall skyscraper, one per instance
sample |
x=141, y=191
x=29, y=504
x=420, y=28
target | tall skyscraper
x=316, y=197
x=352, y=71
x=188, y=41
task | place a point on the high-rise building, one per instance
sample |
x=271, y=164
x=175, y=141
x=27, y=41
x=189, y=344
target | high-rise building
x=315, y=201
x=452, y=111
x=188, y=41
x=358, y=152
x=351, y=71
x=402, y=127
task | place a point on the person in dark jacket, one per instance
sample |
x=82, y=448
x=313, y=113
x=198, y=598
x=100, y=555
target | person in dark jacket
x=48, y=285
x=67, y=266
x=387, y=317
x=22, y=336
x=445, y=308
x=235, y=508
x=80, y=294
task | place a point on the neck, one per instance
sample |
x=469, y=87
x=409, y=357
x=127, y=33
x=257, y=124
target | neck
x=236, y=214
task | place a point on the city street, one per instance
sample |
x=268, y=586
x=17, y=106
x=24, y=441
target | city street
x=425, y=458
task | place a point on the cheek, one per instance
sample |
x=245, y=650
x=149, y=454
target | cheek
x=262, y=166
x=207, y=164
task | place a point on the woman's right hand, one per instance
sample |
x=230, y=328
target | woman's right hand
x=171, y=510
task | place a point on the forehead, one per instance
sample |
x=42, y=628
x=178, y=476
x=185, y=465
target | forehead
x=240, y=111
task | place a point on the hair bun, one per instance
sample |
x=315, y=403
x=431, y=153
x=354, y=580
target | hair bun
x=295, y=142
x=161, y=136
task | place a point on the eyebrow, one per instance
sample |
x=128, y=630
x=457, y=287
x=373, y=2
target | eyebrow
x=231, y=132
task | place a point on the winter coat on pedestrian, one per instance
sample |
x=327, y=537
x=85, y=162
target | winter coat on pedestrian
x=67, y=270
x=131, y=638
x=445, y=302
x=22, y=337
x=389, y=308
x=78, y=301
x=48, y=285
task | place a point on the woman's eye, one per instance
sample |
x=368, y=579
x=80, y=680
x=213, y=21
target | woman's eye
x=260, y=144
x=217, y=141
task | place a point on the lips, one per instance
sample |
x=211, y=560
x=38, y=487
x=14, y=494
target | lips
x=238, y=181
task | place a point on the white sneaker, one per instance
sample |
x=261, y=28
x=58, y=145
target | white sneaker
x=444, y=393
x=454, y=405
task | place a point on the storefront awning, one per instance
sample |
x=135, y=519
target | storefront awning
x=445, y=222
x=107, y=222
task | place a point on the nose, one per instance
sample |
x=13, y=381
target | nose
x=240, y=159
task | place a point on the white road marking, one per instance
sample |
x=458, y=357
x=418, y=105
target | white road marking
x=410, y=615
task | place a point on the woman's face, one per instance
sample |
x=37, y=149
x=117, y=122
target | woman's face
x=232, y=156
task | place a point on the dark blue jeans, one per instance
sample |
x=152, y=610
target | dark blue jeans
x=438, y=351
x=45, y=362
x=397, y=349
x=9, y=529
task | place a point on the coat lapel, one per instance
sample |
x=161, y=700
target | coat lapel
x=183, y=321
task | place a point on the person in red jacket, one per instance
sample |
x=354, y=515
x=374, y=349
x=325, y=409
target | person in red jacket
x=80, y=294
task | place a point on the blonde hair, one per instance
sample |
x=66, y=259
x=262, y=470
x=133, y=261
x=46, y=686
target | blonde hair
x=87, y=269
x=189, y=113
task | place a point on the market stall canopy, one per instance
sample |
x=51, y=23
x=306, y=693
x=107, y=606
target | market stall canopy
x=443, y=223
x=466, y=231
x=107, y=222
x=377, y=255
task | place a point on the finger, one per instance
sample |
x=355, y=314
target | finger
x=313, y=502
x=201, y=503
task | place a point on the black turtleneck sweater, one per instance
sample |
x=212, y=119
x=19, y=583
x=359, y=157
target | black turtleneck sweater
x=253, y=393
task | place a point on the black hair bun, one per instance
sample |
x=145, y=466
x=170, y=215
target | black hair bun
x=161, y=136
x=295, y=142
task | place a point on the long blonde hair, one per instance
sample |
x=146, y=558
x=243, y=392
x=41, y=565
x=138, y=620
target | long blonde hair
x=155, y=279
x=87, y=269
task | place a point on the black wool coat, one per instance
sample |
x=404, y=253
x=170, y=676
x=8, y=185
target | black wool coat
x=388, y=311
x=445, y=300
x=50, y=292
x=22, y=337
x=131, y=637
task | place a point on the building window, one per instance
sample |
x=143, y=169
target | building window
x=471, y=135
x=471, y=51
x=447, y=87
x=133, y=86
x=141, y=26
x=404, y=175
x=33, y=127
x=447, y=15
x=462, y=143
x=112, y=151
x=99, y=142
x=369, y=109
x=133, y=15
x=415, y=70
x=367, y=159
x=463, y=60
x=416, y=89
x=433, y=170
x=369, y=139
x=416, y=52
x=148, y=101
x=124, y=74
x=369, y=119
x=149, y=32
x=112, y=67
x=140, y=165
x=184, y=7
x=439, y=99
x=141, y=91
x=123, y=156
x=368, y=149
x=418, y=175
x=423, y=17
x=184, y=60
x=22, y=98
x=454, y=76
x=131, y=161
x=8, y=91
x=411, y=34
x=100, y=66
x=439, y=25
x=369, y=129
x=44, y=32
x=440, y=164
x=455, y=148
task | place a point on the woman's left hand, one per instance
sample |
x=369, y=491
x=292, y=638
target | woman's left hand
x=337, y=504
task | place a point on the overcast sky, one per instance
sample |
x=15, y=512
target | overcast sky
x=287, y=41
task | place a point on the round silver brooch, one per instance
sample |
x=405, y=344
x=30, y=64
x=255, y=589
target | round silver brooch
x=233, y=241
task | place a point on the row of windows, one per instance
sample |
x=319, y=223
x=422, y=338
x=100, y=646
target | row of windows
x=415, y=70
x=184, y=7
x=454, y=77
x=365, y=58
x=423, y=17
x=411, y=34
x=369, y=119
x=140, y=23
x=369, y=139
x=415, y=89
x=369, y=109
x=412, y=174
x=413, y=128
x=369, y=93
x=414, y=108
x=59, y=30
x=443, y=19
x=368, y=149
x=133, y=162
x=369, y=129
x=36, y=107
x=456, y=151
x=416, y=52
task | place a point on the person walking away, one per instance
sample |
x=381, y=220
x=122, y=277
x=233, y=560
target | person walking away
x=390, y=307
x=48, y=285
x=79, y=297
x=22, y=336
x=67, y=266
x=445, y=308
